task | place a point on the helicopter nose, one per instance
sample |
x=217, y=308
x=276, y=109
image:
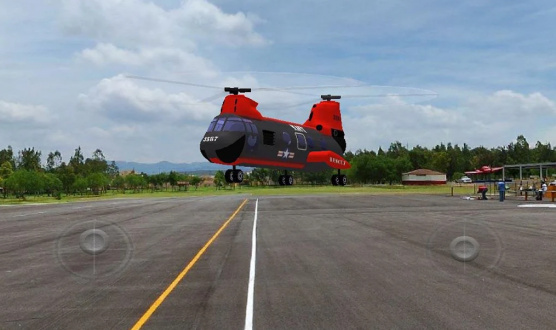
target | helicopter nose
x=232, y=152
x=227, y=148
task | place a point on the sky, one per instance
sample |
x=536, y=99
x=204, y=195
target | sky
x=65, y=67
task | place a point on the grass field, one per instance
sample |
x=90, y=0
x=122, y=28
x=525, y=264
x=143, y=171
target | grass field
x=265, y=190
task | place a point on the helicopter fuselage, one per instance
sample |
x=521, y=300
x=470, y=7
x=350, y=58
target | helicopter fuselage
x=271, y=143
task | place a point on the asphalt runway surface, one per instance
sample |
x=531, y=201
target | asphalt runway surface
x=321, y=262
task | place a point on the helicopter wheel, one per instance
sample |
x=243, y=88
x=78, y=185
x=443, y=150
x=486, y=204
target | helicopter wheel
x=343, y=180
x=282, y=180
x=229, y=176
x=238, y=176
x=289, y=180
x=335, y=180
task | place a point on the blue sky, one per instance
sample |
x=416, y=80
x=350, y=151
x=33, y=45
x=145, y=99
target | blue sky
x=63, y=63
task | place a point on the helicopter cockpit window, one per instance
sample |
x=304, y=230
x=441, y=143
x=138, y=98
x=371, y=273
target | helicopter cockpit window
x=219, y=124
x=251, y=128
x=246, y=122
x=211, y=126
x=234, y=125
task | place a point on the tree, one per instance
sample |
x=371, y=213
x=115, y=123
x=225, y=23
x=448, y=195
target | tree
x=135, y=181
x=419, y=157
x=96, y=164
x=52, y=185
x=440, y=161
x=80, y=185
x=23, y=182
x=219, y=179
x=259, y=175
x=520, y=151
x=119, y=183
x=77, y=161
x=361, y=168
x=397, y=150
x=195, y=181
x=113, y=170
x=544, y=153
x=53, y=161
x=7, y=155
x=29, y=159
x=6, y=169
x=67, y=176
x=320, y=177
x=402, y=165
x=173, y=178
x=97, y=182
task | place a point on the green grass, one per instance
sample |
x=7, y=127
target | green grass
x=255, y=191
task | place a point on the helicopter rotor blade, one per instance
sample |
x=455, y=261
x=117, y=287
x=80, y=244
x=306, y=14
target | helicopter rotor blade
x=304, y=93
x=172, y=82
x=389, y=95
x=216, y=96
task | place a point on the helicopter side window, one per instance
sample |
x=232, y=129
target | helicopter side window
x=254, y=128
x=310, y=142
x=301, y=141
x=211, y=126
x=323, y=144
x=234, y=125
x=219, y=124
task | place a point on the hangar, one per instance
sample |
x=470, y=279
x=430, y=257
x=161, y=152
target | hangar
x=542, y=167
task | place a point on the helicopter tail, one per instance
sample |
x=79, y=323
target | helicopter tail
x=326, y=118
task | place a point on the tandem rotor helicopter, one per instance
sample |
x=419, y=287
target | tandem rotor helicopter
x=241, y=136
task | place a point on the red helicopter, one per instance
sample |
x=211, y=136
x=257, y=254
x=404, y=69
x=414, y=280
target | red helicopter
x=241, y=136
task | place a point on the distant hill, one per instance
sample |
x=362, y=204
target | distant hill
x=164, y=166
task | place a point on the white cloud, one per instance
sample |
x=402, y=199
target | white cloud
x=509, y=103
x=13, y=113
x=205, y=20
x=492, y=120
x=136, y=22
x=105, y=54
x=121, y=100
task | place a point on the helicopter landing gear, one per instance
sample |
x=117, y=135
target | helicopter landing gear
x=339, y=179
x=234, y=176
x=285, y=180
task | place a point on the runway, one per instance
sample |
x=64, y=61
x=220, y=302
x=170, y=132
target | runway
x=321, y=261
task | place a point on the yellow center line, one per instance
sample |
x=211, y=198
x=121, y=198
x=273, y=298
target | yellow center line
x=178, y=279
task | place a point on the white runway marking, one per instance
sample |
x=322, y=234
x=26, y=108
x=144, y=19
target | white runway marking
x=28, y=214
x=251, y=289
x=538, y=205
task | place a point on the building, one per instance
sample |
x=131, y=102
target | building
x=423, y=177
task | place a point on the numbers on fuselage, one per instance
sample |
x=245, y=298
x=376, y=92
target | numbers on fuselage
x=210, y=138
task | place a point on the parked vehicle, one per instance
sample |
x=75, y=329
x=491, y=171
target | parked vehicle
x=465, y=179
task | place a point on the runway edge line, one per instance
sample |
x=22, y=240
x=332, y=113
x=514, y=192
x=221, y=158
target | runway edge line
x=184, y=272
x=252, y=267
